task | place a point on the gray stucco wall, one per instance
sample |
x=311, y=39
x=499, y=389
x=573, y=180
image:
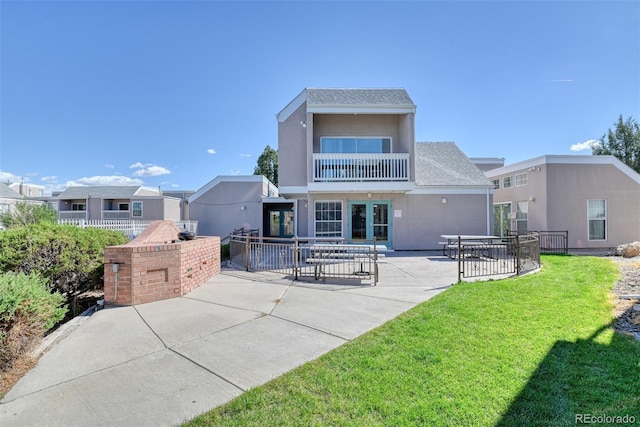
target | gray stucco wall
x=220, y=210
x=292, y=149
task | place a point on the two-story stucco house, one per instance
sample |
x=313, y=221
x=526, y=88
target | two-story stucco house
x=350, y=165
x=594, y=198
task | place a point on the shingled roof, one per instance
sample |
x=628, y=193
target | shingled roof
x=444, y=164
x=378, y=96
x=8, y=193
x=351, y=101
x=98, y=191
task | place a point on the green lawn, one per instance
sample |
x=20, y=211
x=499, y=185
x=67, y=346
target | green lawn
x=532, y=350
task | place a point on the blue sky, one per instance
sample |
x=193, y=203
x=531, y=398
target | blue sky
x=172, y=94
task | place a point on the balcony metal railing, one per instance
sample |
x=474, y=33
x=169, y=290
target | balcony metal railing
x=360, y=167
x=72, y=214
x=113, y=214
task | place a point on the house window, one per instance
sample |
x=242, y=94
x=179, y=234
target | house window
x=506, y=182
x=496, y=184
x=136, y=210
x=78, y=206
x=4, y=208
x=521, y=179
x=355, y=145
x=328, y=218
x=597, y=215
x=522, y=216
x=124, y=207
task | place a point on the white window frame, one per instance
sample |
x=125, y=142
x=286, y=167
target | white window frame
x=521, y=179
x=589, y=219
x=322, y=138
x=522, y=215
x=134, y=209
x=316, y=221
x=508, y=179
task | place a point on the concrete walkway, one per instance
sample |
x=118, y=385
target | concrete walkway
x=163, y=363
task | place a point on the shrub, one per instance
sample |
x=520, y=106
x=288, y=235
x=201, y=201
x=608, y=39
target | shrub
x=27, y=310
x=26, y=213
x=71, y=258
x=225, y=252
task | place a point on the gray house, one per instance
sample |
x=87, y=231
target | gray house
x=351, y=168
x=594, y=198
x=116, y=202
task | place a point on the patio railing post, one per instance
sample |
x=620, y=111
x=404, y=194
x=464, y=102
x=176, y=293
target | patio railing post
x=375, y=262
x=246, y=253
x=517, y=255
x=459, y=259
x=296, y=255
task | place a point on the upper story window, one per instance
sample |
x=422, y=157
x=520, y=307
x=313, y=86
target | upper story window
x=355, y=145
x=496, y=184
x=506, y=182
x=521, y=179
x=78, y=206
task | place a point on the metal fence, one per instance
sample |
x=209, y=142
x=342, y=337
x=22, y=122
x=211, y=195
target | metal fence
x=305, y=257
x=551, y=242
x=129, y=227
x=485, y=256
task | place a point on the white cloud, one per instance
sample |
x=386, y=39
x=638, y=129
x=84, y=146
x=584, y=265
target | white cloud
x=211, y=151
x=235, y=172
x=104, y=180
x=139, y=165
x=152, y=171
x=51, y=179
x=175, y=185
x=583, y=146
x=245, y=155
x=109, y=166
x=561, y=80
x=8, y=177
x=30, y=174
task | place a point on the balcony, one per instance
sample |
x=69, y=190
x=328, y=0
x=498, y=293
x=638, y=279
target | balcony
x=72, y=214
x=116, y=214
x=360, y=167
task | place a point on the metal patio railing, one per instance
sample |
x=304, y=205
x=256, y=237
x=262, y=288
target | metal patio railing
x=494, y=256
x=320, y=258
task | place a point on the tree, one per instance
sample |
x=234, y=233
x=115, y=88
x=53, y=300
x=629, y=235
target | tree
x=26, y=213
x=268, y=165
x=622, y=142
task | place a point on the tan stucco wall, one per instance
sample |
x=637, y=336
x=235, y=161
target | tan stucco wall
x=423, y=218
x=561, y=192
x=292, y=149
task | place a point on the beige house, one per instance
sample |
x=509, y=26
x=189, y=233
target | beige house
x=8, y=198
x=350, y=165
x=594, y=198
x=116, y=202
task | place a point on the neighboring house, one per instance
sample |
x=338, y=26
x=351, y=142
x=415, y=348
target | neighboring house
x=28, y=190
x=8, y=198
x=350, y=167
x=116, y=202
x=231, y=202
x=595, y=198
x=183, y=195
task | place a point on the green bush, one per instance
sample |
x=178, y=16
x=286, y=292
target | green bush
x=26, y=213
x=71, y=258
x=225, y=252
x=27, y=310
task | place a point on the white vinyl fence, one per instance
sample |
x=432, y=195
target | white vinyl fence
x=129, y=227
